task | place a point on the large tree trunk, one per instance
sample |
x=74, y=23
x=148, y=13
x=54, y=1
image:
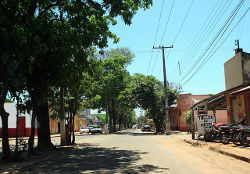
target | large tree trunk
x=33, y=119
x=113, y=115
x=44, y=140
x=62, y=118
x=5, y=136
x=158, y=122
x=32, y=134
x=110, y=119
x=73, y=130
x=41, y=112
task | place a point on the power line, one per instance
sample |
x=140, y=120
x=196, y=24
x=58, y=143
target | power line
x=207, y=32
x=181, y=26
x=165, y=29
x=217, y=37
x=184, y=20
x=159, y=19
x=217, y=48
x=198, y=34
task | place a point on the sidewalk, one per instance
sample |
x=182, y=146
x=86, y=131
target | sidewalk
x=12, y=141
x=238, y=152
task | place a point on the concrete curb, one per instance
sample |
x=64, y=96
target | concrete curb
x=229, y=154
x=194, y=143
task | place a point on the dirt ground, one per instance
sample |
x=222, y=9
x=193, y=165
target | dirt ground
x=130, y=152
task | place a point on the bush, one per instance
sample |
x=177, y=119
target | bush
x=187, y=119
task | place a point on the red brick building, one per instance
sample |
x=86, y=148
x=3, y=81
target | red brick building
x=185, y=101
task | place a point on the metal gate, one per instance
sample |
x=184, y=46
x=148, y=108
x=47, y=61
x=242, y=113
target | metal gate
x=235, y=113
x=248, y=109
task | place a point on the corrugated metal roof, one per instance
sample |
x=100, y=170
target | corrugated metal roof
x=241, y=90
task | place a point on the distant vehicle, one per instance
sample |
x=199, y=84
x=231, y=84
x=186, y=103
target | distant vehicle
x=95, y=129
x=146, y=127
x=84, y=129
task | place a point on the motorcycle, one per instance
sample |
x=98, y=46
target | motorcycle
x=230, y=132
x=235, y=134
x=244, y=135
x=221, y=132
x=214, y=134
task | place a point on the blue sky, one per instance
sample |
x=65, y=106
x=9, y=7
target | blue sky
x=199, y=30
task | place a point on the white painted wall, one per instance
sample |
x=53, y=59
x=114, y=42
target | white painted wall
x=11, y=109
x=233, y=72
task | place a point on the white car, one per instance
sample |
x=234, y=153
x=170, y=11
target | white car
x=84, y=129
x=96, y=129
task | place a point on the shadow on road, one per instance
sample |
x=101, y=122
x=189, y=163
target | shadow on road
x=92, y=159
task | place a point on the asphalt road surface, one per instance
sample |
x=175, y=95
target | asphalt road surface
x=137, y=153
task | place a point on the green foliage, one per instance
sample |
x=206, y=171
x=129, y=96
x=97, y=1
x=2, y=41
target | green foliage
x=7, y=100
x=187, y=117
x=46, y=45
x=22, y=145
x=148, y=93
x=102, y=116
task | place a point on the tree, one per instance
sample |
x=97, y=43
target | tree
x=187, y=119
x=43, y=39
x=148, y=93
x=112, y=81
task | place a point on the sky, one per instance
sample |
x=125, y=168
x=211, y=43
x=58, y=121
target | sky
x=202, y=33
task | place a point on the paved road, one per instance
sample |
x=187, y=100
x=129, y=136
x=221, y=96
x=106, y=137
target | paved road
x=138, y=153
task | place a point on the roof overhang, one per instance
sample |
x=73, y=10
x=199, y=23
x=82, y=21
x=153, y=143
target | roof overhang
x=215, y=102
x=243, y=90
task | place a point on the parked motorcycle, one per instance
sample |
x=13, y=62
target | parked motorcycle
x=214, y=134
x=237, y=134
x=231, y=131
x=244, y=135
x=221, y=132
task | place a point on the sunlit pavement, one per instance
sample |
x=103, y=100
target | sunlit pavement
x=133, y=152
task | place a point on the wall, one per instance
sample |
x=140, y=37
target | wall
x=11, y=109
x=240, y=107
x=77, y=123
x=247, y=102
x=233, y=71
x=221, y=116
x=246, y=69
x=54, y=126
x=185, y=101
x=174, y=117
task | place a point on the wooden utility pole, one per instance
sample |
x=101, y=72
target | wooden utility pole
x=165, y=89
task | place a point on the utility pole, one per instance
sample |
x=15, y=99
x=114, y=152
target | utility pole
x=166, y=110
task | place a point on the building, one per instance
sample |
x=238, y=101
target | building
x=237, y=80
x=184, y=103
x=55, y=124
x=84, y=118
x=24, y=121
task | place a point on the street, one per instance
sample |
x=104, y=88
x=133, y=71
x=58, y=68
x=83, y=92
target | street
x=131, y=152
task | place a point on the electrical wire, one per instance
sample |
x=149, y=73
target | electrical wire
x=216, y=49
x=206, y=33
x=165, y=29
x=198, y=34
x=217, y=37
x=181, y=26
x=159, y=19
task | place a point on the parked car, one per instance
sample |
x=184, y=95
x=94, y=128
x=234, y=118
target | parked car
x=95, y=129
x=146, y=127
x=90, y=127
x=84, y=129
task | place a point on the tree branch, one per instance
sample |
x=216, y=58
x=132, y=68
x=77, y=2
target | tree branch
x=48, y=7
x=32, y=8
